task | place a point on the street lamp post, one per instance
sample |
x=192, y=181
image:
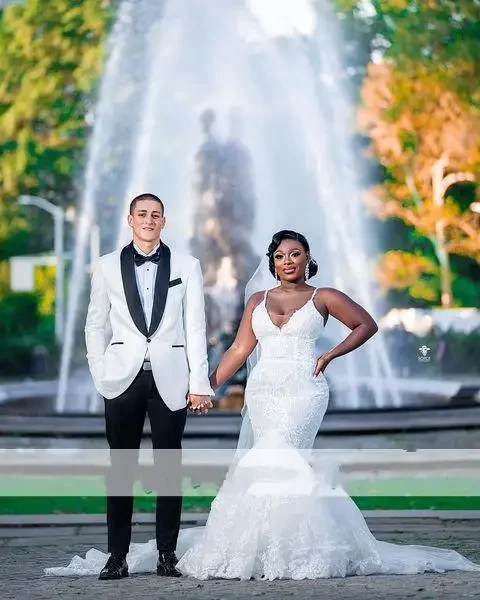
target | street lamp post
x=58, y=215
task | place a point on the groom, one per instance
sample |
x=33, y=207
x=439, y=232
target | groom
x=153, y=362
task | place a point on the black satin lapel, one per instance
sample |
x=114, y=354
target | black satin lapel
x=161, y=289
x=131, y=290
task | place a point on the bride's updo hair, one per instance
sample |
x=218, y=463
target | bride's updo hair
x=287, y=234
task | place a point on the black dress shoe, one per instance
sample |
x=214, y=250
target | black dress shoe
x=166, y=565
x=116, y=568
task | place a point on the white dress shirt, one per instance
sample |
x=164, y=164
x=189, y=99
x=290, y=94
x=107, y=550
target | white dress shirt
x=145, y=275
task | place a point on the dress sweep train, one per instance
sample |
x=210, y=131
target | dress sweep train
x=276, y=516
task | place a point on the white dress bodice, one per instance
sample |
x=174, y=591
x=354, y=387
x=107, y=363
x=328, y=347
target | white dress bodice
x=282, y=394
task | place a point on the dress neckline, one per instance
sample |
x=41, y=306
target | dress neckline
x=293, y=313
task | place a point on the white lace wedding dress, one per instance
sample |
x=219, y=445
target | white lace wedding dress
x=275, y=515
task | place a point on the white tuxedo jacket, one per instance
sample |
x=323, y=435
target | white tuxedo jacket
x=176, y=337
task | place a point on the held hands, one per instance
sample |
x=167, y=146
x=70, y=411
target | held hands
x=322, y=363
x=199, y=404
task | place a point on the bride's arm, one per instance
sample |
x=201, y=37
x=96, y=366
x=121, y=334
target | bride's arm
x=351, y=314
x=243, y=345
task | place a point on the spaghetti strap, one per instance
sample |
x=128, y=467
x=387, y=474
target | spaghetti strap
x=313, y=295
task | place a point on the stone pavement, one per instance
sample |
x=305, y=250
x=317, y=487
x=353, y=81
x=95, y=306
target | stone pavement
x=26, y=551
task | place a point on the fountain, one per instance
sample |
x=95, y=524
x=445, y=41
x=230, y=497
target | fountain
x=277, y=65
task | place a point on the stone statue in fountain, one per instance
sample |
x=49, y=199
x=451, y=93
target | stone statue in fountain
x=223, y=221
x=236, y=202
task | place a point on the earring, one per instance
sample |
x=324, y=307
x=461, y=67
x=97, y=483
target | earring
x=277, y=276
x=307, y=270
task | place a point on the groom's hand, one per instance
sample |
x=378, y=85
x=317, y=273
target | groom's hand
x=199, y=403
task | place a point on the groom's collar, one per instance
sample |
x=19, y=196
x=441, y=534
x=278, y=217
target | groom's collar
x=140, y=251
x=132, y=295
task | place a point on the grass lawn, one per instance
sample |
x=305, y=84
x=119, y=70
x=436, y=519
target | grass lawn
x=37, y=495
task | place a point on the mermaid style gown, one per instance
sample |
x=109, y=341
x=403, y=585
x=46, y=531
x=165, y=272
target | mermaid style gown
x=276, y=516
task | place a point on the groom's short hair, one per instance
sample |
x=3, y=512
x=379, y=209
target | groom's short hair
x=146, y=196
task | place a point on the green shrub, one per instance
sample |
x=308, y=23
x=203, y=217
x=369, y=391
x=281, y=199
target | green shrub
x=22, y=331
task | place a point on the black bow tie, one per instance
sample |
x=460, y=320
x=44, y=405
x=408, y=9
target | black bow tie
x=140, y=259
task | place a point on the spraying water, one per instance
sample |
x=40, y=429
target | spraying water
x=278, y=65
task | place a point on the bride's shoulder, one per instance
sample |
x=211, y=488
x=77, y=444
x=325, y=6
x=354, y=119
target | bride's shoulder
x=330, y=296
x=326, y=290
x=322, y=294
x=255, y=299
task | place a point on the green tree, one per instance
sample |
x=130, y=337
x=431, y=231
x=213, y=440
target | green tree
x=440, y=35
x=50, y=59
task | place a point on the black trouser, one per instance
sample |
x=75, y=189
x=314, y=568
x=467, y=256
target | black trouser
x=125, y=417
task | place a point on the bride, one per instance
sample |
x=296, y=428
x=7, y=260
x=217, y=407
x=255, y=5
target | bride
x=276, y=515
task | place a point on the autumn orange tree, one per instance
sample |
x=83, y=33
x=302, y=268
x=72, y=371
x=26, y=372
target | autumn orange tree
x=420, y=109
x=429, y=141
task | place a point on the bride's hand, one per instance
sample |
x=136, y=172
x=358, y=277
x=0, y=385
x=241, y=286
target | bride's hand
x=199, y=404
x=321, y=365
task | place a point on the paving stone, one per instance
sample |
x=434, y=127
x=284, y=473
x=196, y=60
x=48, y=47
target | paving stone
x=22, y=561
